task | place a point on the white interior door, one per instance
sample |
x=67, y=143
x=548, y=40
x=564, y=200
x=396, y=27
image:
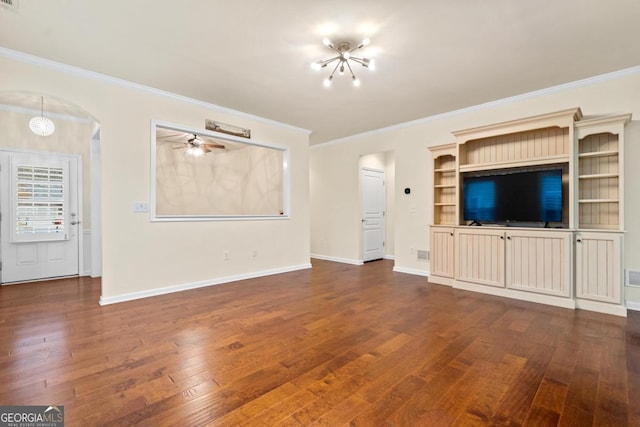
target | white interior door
x=373, y=203
x=39, y=216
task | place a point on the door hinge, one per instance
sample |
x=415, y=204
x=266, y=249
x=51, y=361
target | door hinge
x=382, y=243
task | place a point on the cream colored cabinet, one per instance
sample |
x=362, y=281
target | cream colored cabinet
x=480, y=256
x=540, y=265
x=442, y=255
x=599, y=267
x=539, y=261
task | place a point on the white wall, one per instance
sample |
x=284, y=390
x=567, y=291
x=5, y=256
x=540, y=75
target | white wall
x=140, y=257
x=334, y=167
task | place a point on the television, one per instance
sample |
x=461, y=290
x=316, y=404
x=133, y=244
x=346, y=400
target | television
x=513, y=196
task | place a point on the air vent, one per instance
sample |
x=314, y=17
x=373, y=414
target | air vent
x=633, y=278
x=9, y=4
x=422, y=255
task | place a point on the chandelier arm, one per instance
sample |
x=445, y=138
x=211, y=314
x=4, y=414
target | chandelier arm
x=329, y=61
x=350, y=70
x=335, y=49
x=359, y=61
x=334, y=71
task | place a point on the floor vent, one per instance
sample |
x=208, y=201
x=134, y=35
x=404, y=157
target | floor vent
x=9, y=4
x=422, y=255
x=633, y=278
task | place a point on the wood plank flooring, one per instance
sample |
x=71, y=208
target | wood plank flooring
x=333, y=345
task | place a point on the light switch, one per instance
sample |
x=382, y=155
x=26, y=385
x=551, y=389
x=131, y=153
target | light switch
x=141, y=206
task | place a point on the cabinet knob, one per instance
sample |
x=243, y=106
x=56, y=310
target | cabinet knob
x=579, y=240
x=450, y=234
x=508, y=237
x=501, y=237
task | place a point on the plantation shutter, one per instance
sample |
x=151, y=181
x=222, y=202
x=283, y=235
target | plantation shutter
x=39, y=201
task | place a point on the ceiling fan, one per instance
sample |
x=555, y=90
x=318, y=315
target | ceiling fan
x=196, y=146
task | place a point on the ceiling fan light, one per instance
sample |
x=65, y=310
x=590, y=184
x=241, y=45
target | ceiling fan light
x=194, y=152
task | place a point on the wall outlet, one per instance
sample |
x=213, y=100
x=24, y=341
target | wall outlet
x=226, y=256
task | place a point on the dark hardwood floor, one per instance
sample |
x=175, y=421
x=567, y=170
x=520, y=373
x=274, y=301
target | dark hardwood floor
x=334, y=345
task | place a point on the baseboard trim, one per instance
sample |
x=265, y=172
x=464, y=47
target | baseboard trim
x=632, y=305
x=200, y=284
x=602, y=307
x=413, y=271
x=336, y=259
x=391, y=257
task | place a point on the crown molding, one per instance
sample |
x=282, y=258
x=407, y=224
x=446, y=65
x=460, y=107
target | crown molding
x=485, y=106
x=92, y=75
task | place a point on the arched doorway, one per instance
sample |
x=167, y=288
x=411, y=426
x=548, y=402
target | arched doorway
x=77, y=135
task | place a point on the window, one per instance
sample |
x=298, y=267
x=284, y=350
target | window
x=201, y=175
x=38, y=200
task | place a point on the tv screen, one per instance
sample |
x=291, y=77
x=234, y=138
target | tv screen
x=513, y=196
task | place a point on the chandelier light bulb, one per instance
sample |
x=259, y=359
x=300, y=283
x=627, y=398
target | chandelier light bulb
x=346, y=55
x=317, y=65
x=326, y=42
x=326, y=82
x=366, y=41
x=372, y=64
x=356, y=81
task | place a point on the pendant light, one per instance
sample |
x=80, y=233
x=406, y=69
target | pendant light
x=41, y=125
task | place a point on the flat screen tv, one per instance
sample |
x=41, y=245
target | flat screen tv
x=515, y=196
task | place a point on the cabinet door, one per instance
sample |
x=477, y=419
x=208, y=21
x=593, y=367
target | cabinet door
x=442, y=261
x=480, y=256
x=599, y=267
x=539, y=262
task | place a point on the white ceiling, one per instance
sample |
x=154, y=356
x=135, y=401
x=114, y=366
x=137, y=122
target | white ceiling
x=432, y=56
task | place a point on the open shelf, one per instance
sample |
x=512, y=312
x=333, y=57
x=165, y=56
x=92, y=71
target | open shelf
x=599, y=176
x=598, y=154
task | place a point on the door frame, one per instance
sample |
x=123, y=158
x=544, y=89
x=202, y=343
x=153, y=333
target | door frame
x=80, y=235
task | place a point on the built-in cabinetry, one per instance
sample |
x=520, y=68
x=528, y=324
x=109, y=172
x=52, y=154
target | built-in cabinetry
x=442, y=255
x=576, y=264
x=445, y=185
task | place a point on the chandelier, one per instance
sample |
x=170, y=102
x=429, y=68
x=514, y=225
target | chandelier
x=41, y=125
x=342, y=60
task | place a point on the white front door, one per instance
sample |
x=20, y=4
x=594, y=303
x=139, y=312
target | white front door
x=39, y=216
x=373, y=203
